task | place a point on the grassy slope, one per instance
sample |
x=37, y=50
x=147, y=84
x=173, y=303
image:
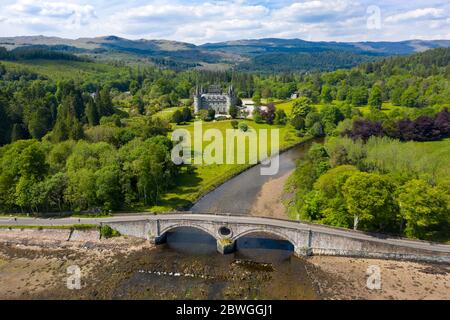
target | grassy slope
x=192, y=185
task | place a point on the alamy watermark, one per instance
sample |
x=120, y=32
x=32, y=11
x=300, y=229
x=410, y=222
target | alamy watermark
x=237, y=147
x=374, y=277
x=374, y=18
x=73, y=281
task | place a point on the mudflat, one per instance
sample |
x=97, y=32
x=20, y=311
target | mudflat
x=34, y=265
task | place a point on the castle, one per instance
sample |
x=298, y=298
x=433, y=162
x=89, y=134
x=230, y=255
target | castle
x=214, y=98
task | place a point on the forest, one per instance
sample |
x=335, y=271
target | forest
x=82, y=136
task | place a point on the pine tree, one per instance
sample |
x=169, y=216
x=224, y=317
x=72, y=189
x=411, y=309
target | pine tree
x=91, y=113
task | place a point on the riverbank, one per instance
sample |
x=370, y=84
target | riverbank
x=270, y=199
x=33, y=265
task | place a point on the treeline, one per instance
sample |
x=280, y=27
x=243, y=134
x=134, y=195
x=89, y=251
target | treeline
x=33, y=53
x=419, y=80
x=371, y=174
x=80, y=176
x=423, y=128
x=34, y=109
x=301, y=62
x=383, y=185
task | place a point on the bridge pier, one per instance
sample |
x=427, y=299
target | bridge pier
x=226, y=246
x=160, y=239
x=302, y=251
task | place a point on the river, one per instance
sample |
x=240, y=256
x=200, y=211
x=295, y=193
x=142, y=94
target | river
x=263, y=267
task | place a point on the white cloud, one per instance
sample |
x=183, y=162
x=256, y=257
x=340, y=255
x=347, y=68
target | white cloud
x=416, y=14
x=48, y=15
x=200, y=21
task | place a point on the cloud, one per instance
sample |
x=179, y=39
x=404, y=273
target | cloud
x=416, y=14
x=39, y=15
x=200, y=21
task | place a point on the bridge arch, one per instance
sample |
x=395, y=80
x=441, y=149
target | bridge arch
x=277, y=234
x=164, y=231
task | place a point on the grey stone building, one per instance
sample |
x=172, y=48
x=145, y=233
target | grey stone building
x=214, y=98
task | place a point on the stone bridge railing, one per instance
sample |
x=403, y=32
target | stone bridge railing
x=307, y=239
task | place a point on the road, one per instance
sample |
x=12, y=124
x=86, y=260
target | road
x=421, y=245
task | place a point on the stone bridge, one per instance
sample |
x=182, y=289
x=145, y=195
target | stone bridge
x=307, y=239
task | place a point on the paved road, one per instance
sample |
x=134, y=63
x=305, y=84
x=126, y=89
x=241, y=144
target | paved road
x=422, y=245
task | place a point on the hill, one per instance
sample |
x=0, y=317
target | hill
x=261, y=55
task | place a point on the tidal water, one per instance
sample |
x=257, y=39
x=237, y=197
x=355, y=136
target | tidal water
x=189, y=267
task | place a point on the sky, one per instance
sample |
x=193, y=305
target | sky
x=200, y=21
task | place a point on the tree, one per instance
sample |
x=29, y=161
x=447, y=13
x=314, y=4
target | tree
x=18, y=132
x=364, y=129
x=376, y=98
x=298, y=122
x=331, y=114
x=442, y=123
x=280, y=117
x=4, y=122
x=177, y=117
x=410, y=97
x=425, y=209
x=369, y=199
x=234, y=112
x=257, y=115
x=317, y=130
x=359, y=96
x=187, y=114
x=91, y=113
x=32, y=162
x=326, y=94
x=301, y=107
x=108, y=187
x=328, y=198
x=103, y=102
x=211, y=114
x=269, y=114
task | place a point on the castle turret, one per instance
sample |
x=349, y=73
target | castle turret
x=197, y=99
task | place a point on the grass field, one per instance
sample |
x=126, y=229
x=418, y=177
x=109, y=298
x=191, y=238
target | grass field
x=191, y=185
x=167, y=113
x=387, y=107
x=287, y=106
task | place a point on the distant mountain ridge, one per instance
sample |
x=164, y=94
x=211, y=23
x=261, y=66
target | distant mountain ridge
x=262, y=55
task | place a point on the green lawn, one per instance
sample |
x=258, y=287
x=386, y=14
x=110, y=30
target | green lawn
x=387, y=107
x=166, y=114
x=191, y=185
x=287, y=106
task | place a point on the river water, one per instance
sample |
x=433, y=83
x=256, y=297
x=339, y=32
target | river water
x=188, y=265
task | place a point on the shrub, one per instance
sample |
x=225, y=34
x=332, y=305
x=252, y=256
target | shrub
x=243, y=127
x=108, y=232
x=234, y=124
